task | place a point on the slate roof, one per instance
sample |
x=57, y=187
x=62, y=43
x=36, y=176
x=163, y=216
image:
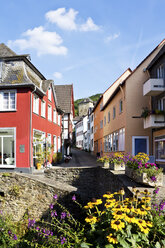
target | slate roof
x=85, y=100
x=64, y=97
x=6, y=51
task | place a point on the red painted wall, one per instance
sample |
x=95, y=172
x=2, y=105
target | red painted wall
x=43, y=124
x=21, y=120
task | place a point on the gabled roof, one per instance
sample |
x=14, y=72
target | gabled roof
x=64, y=97
x=6, y=51
x=159, y=54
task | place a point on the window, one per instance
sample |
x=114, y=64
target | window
x=43, y=105
x=49, y=113
x=122, y=139
x=55, y=143
x=106, y=144
x=161, y=104
x=8, y=100
x=108, y=117
x=101, y=105
x=54, y=116
x=59, y=120
x=160, y=71
x=101, y=124
x=115, y=141
x=120, y=106
x=7, y=147
x=59, y=144
x=49, y=142
x=110, y=142
x=36, y=104
x=104, y=120
x=114, y=112
x=49, y=94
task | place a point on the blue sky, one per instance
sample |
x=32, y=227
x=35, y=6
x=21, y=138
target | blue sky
x=89, y=43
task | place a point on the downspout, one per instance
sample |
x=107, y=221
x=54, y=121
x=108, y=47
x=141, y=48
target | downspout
x=31, y=126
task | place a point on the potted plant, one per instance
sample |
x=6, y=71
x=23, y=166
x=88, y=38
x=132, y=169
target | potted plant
x=116, y=161
x=104, y=160
x=139, y=169
x=40, y=160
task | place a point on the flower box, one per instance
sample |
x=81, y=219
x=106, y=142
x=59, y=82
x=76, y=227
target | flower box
x=117, y=166
x=142, y=178
x=106, y=164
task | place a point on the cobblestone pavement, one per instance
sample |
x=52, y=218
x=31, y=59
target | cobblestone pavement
x=81, y=159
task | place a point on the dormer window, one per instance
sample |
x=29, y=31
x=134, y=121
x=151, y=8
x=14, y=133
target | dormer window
x=160, y=71
x=49, y=94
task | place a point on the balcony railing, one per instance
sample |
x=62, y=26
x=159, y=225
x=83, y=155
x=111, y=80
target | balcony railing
x=153, y=87
x=154, y=121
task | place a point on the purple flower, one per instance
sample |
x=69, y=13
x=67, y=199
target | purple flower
x=153, y=178
x=156, y=190
x=74, y=198
x=9, y=232
x=63, y=215
x=31, y=223
x=55, y=197
x=14, y=237
x=53, y=214
x=51, y=206
x=63, y=239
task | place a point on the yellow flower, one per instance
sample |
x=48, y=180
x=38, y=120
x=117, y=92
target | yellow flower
x=148, y=223
x=109, y=204
x=141, y=211
x=117, y=224
x=146, y=207
x=130, y=219
x=140, y=222
x=129, y=209
x=144, y=229
x=112, y=239
x=89, y=205
x=91, y=219
x=96, y=201
x=119, y=215
x=108, y=195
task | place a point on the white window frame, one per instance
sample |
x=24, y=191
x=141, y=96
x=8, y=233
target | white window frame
x=55, y=143
x=49, y=94
x=140, y=137
x=160, y=71
x=49, y=113
x=54, y=116
x=10, y=166
x=59, y=142
x=43, y=108
x=2, y=100
x=59, y=119
x=35, y=106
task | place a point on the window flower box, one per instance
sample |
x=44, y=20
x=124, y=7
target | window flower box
x=117, y=166
x=106, y=164
x=143, y=178
x=141, y=171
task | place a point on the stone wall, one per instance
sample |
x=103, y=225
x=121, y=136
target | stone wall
x=22, y=194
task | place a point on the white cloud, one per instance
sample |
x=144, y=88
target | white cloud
x=44, y=42
x=112, y=37
x=67, y=20
x=62, y=18
x=57, y=75
x=89, y=26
